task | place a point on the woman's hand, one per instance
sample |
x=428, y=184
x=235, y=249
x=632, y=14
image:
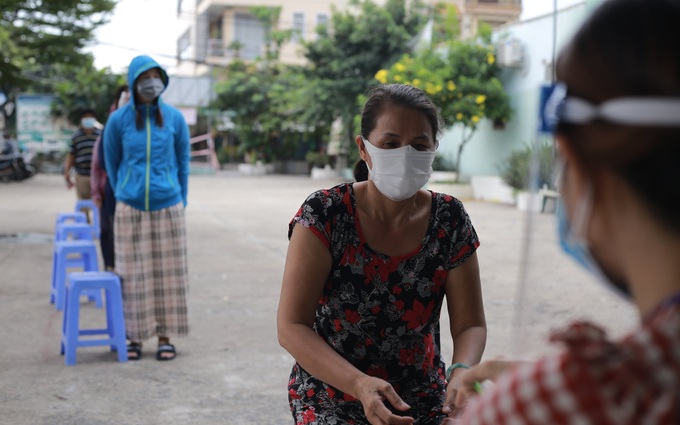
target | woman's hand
x=454, y=386
x=470, y=380
x=372, y=392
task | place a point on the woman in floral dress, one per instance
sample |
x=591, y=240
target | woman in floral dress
x=368, y=268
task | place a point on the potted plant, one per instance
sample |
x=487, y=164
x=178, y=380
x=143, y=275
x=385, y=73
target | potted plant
x=516, y=173
x=320, y=165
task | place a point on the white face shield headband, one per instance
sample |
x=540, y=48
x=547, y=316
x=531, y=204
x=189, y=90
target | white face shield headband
x=557, y=107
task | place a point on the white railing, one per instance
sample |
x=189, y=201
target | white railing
x=208, y=151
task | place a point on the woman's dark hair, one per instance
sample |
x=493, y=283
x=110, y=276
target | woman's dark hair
x=629, y=48
x=139, y=118
x=379, y=97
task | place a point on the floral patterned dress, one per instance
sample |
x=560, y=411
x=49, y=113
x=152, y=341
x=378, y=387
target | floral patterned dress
x=381, y=313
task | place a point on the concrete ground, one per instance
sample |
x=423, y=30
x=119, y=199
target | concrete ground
x=231, y=370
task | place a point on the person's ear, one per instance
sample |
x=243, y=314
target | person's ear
x=359, y=140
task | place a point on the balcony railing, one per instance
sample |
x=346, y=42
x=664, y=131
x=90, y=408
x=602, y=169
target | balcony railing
x=217, y=49
x=508, y=9
x=491, y=2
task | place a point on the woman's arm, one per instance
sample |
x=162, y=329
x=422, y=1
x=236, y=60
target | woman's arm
x=183, y=153
x=113, y=150
x=97, y=176
x=308, y=264
x=468, y=323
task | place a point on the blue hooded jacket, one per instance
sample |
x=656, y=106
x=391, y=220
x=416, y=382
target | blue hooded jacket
x=148, y=168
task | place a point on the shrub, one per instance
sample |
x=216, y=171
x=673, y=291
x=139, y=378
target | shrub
x=516, y=171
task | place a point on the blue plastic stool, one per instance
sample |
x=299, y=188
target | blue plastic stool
x=87, y=252
x=77, y=231
x=115, y=320
x=75, y=217
x=89, y=203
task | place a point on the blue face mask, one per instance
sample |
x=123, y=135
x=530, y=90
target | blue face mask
x=574, y=245
x=576, y=249
x=87, y=123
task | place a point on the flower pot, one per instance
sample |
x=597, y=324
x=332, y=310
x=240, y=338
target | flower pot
x=526, y=201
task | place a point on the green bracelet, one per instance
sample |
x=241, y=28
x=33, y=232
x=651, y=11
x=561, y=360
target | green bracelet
x=449, y=371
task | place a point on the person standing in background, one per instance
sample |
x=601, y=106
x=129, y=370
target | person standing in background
x=102, y=193
x=80, y=155
x=146, y=151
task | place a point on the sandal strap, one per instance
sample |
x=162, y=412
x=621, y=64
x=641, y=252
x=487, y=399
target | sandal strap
x=166, y=348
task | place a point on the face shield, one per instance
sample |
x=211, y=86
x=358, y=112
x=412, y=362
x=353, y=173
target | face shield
x=558, y=283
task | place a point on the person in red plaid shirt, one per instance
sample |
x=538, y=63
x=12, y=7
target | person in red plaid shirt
x=616, y=118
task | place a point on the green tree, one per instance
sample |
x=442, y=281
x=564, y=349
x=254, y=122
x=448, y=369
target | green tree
x=345, y=56
x=273, y=38
x=462, y=79
x=35, y=34
x=259, y=95
x=261, y=98
x=87, y=87
x=446, y=23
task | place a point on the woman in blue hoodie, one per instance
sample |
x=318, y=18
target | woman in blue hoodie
x=147, y=160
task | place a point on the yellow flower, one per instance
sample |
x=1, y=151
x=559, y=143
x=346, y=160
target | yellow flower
x=397, y=78
x=490, y=58
x=400, y=67
x=438, y=88
x=381, y=76
x=459, y=116
x=480, y=99
x=475, y=119
x=450, y=85
x=416, y=82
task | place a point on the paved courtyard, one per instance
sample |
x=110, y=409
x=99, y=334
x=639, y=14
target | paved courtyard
x=231, y=370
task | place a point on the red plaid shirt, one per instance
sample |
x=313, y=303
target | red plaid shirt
x=595, y=381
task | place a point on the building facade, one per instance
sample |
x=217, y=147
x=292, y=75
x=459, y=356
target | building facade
x=227, y=29
x=222, y=30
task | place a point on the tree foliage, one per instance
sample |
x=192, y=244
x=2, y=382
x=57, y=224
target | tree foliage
x=462, y=79
x=260, y=97
x=37, y=35
x=346, y=54
x=38, y=32
x=86, y=87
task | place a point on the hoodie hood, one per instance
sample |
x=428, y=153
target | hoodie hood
x=138, y=65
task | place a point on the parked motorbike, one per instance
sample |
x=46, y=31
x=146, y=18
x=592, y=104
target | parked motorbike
x=16, y=167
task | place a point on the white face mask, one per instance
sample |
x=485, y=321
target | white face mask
x=150, y=88
x=399, y=173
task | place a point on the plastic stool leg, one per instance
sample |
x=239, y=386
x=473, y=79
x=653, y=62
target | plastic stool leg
x=60, y=281
x=53, y=288
x=118, y=321
x=72, y=326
